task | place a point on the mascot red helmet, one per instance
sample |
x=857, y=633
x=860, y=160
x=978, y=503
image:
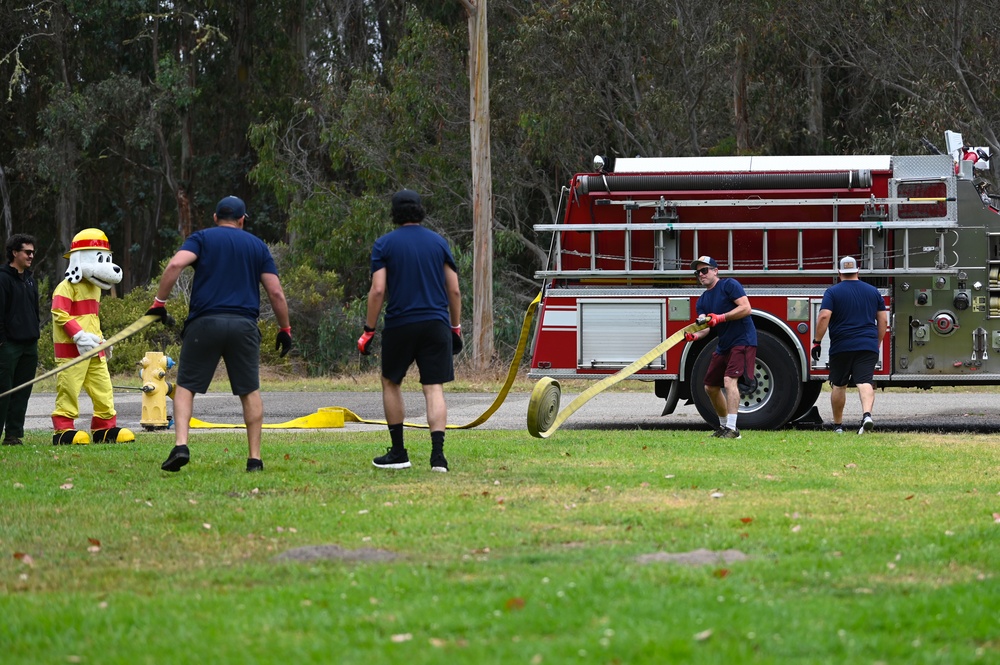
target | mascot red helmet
x=89, y=239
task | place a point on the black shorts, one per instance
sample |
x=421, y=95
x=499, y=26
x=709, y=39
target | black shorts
x=852, y=367
x=234, y=338
x=428, y=343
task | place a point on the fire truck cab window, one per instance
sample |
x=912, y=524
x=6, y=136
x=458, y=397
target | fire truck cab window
x=923, y=190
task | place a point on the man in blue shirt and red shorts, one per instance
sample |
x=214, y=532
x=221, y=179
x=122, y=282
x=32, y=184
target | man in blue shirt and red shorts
x=725, y=306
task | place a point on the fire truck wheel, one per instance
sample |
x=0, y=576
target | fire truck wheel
x=779, y=386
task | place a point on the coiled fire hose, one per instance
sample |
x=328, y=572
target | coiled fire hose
x=544, y=416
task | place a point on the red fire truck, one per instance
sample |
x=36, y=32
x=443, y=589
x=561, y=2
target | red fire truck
x=618, y=280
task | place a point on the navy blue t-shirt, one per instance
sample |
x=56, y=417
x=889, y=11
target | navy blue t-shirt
x=227, y=272
x=414, y=258
x=721, y=299
x=853, y=325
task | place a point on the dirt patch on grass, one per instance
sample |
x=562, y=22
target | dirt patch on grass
x=699, y=557
x=335, y=553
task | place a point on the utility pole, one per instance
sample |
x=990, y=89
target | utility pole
x=482, y=185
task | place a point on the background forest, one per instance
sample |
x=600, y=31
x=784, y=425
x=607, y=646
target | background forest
x=136, y=116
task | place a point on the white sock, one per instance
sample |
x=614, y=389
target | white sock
x=731, y=421
x=722, y=421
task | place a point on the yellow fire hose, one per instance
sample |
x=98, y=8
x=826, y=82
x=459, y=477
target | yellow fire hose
x=139, y=324
x=335, y=416
x=543, y=406
x=544, y=416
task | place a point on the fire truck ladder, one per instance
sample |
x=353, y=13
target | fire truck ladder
x=664, y=224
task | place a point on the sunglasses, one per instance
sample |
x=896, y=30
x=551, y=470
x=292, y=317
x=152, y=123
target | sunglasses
x=29, y=252
x=702, y=271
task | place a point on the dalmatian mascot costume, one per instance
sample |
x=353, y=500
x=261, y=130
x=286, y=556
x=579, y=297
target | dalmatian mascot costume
x=76, y=329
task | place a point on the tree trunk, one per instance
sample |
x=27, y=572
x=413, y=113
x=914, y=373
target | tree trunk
x=65, y=218
x=8, y=220
x=740, y=112
x=482, y=188
x=814, y=74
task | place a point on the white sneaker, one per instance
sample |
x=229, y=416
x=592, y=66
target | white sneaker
x=867, y=425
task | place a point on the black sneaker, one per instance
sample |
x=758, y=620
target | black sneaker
x=728, y=433
x=838, y=428
x=13, y=441
x=393, y=459
x=719, y=432
x=179, y=456
x=255, y=465
x=867, y=424
x=438, y=462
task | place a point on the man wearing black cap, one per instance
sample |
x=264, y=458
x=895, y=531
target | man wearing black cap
x=414, y=272
x=229, y=267
x=855, y=313
x=725, y=307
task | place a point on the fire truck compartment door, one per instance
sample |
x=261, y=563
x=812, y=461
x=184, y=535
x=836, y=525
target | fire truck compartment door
x=615, y=332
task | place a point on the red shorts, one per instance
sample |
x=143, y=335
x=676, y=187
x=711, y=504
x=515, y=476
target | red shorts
x=734, y=363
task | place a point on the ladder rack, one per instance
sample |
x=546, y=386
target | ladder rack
x=666, y=261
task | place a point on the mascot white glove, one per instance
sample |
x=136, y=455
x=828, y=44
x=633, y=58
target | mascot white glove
x=86, y=341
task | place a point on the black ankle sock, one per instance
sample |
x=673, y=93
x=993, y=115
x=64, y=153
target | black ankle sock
x=396, y=435
x=437, y=441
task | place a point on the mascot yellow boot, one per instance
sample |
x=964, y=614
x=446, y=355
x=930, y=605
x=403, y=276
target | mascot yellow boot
x=76, y=329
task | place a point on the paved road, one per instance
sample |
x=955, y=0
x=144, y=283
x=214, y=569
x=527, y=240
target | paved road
x=894, y=411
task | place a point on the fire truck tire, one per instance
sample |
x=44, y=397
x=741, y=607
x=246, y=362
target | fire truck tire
x=779, y=386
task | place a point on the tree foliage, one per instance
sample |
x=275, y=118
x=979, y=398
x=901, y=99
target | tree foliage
x=136, y=116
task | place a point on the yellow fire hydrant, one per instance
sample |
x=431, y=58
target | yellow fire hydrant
x=155, y=390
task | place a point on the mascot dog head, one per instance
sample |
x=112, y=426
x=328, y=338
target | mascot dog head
x=90, y=259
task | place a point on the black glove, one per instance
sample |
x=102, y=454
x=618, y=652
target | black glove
x=456, y=343
x=817, y=350
x=283, y=342
x=161, y=312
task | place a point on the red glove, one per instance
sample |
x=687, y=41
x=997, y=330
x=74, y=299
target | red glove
x=715, y=319
x=689, y=337
x=365, y=341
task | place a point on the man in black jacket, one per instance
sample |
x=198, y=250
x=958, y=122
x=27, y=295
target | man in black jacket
x=19, y=330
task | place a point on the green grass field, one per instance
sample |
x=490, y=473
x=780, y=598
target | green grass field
x=878, y=549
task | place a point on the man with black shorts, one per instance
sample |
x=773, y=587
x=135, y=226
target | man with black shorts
x=414, y=273
x=229, y=267
x=725, y=307
x=855, y=313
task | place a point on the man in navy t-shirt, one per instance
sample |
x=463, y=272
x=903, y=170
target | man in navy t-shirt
x=727, y=309
x=857, y=318
x=229, y=267
x=412, y=267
